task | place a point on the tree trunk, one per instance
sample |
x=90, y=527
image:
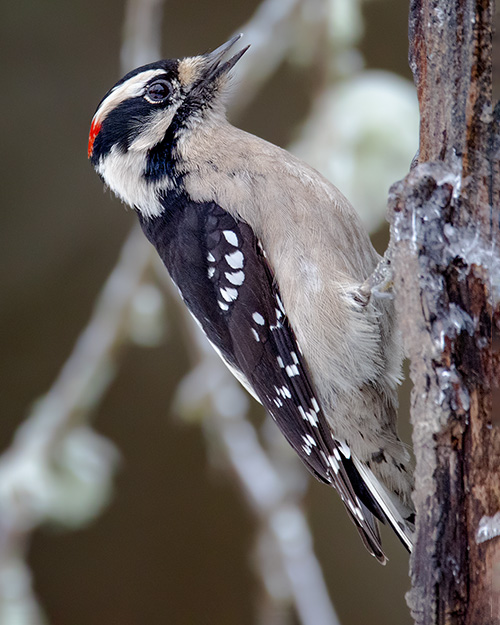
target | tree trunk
x=445, y=238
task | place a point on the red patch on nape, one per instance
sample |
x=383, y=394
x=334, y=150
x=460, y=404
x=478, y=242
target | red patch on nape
x=94, y=131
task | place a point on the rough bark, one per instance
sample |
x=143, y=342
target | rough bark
x=445, y=237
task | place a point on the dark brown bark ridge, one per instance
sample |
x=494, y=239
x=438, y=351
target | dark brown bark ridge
x=445, y=254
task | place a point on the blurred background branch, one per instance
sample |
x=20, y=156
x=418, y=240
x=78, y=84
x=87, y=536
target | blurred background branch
x=360, y=130
x=57, y=468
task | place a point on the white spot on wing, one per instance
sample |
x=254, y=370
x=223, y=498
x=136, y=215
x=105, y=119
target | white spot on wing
x=237, y=277
x=210, y=257
x=258, y=318
x=285, y=391
x=307, y=415
x=256, y=336
x=309, y=443
x=235, y=260
x=223, y=305
x=312, y=418
x=230, y=237
x=344, y=449
x=356, y=510
x=211, y=271
x=292, y=370
x=334, y=464
x=229, y=294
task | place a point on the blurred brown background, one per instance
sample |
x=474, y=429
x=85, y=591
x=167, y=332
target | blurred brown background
x=175, y=544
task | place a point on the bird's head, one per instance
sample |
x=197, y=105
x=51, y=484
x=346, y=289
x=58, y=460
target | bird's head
x=152, y=104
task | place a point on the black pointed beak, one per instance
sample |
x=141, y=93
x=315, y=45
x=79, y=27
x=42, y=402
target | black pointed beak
x=215, y=66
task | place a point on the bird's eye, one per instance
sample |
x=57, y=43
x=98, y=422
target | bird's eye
x=157, y=91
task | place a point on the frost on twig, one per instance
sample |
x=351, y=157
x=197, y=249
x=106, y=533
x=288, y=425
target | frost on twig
x=58, y=468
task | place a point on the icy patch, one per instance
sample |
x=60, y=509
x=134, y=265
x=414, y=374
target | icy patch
x=489, y=527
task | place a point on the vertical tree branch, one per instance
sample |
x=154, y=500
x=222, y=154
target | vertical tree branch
x=445, y=236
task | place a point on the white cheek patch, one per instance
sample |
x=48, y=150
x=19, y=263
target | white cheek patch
x=123, y=173
x=153, y=129
x=131, y=88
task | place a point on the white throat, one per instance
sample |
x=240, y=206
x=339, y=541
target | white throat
x=123, y=173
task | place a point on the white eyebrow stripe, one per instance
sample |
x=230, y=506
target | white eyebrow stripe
x=131, y=88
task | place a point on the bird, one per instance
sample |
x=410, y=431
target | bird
x=272, y=261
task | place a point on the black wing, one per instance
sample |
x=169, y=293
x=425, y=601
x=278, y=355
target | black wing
x=221, y=271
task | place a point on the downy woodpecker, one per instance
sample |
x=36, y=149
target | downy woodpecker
x=270, y=258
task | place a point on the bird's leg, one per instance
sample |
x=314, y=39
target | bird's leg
x=380, y=282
